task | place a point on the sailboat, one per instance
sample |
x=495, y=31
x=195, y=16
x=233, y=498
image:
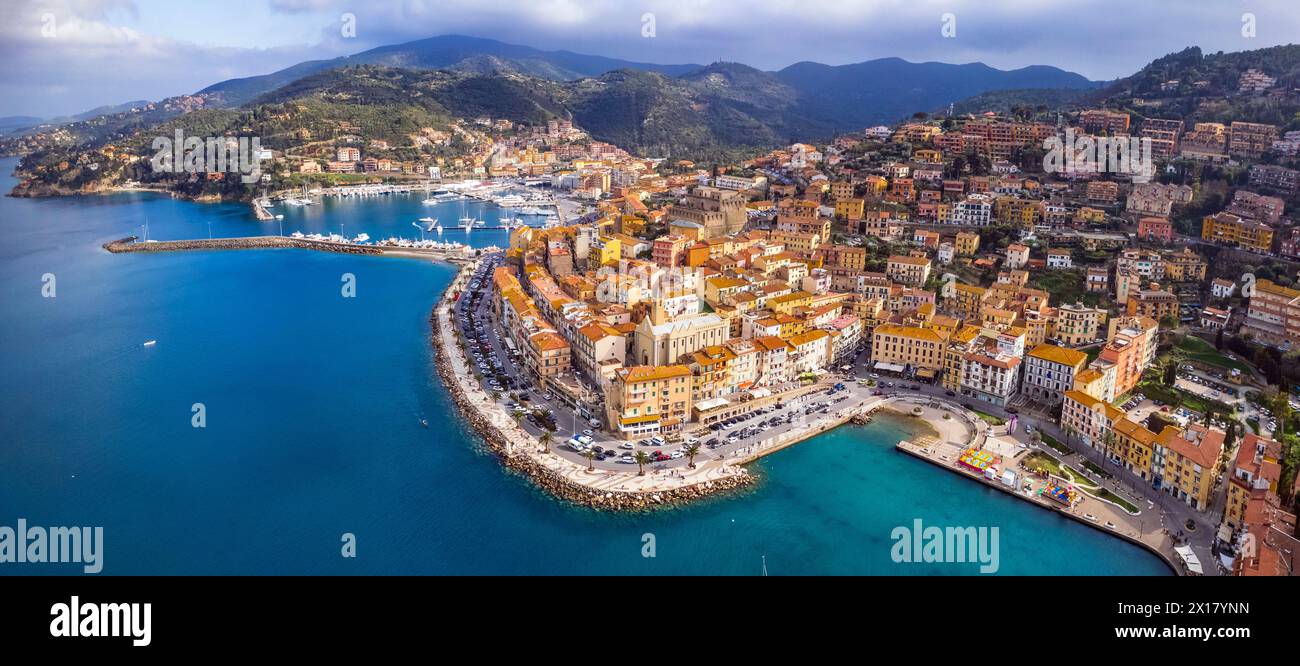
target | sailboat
x=465, y=221
x=430, y=222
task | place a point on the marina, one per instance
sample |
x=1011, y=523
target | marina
x=321, y=447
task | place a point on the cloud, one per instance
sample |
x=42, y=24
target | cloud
x=108, y=51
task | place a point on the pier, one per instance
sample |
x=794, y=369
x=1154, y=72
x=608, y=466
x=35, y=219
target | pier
x=132, y=244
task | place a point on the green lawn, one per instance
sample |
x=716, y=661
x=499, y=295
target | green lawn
x=1169, y=396
x=1041, y=460
x=995, y=420
x=1112, y=497
x=1052, y=442
x=1096, y=469
x=1196, y=349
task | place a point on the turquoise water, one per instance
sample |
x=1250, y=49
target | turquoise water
x=313, y=404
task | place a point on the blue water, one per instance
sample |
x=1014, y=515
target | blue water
x=313, y=404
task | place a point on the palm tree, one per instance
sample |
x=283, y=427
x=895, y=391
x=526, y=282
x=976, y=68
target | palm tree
x=545, y=439
x=641, y=460
x=590, y=455
x=691, y=450
x=518, y=417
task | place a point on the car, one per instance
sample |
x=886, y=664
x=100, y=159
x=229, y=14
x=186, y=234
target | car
x=627, y=445
x=1029, y=430
x=588, y=432
x=627, y=459
x=675, y=455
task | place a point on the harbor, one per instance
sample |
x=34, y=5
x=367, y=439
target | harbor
x=395, y=247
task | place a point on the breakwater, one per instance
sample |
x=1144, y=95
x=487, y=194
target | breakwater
x=131, y=244
x=546, y=471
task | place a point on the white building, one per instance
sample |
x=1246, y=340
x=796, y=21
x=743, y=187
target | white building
x=1050, y=372
x=990, y=379
x=1222, y=288
x=1059, y=259
x=945, y=253
x=976, y=210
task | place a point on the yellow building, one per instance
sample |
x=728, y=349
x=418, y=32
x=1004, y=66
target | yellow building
x=649, y=400
x=959, y=344
x=1230, y=229
x=908, y=270
x=967, y=244
x=1191, y=463
x=895, y=348
x=850, y=209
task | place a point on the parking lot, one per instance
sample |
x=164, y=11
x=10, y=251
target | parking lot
x=572, y=435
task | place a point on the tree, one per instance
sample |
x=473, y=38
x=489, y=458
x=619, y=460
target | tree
x=1171, y=373
x=691, y=450
x=641, y=460
x=590, y=455
x=1218, y=340
x=545, y=438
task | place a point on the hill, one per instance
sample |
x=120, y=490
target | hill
x=456, y=52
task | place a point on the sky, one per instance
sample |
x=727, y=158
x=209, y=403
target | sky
x=67, y=56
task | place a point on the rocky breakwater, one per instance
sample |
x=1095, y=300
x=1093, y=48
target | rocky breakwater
x=549, y=472
x=129, y=244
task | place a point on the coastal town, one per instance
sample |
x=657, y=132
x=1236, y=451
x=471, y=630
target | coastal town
x=1100, y=348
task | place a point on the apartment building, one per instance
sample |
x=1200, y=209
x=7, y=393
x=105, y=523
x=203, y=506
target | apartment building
x=1050, y=371
x=1155, y=230
x=1130, y=348
x=1187, y=463
x=1251, y=139
x=648, y=400
x=1077, y=324
x=547, y=356
x=1274, y=177
x=1255, y=471
x=1273, y=316
x=1229, y=229
x=1155, y=303
x=967, y=244
x=1017, y=256
x=907, y=270
x=896, y=348
x=990, y=378
x=1087, y=419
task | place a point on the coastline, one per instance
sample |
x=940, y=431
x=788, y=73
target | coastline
x=919, y=453
x=555, y=475
x=129, y=245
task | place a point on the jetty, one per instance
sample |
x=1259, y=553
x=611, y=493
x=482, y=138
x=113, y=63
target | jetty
x=133, y=244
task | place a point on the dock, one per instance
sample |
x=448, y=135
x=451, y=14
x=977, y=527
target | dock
x=132, y=244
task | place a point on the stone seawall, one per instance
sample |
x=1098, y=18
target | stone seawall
x=516, y=456
x=129, y=244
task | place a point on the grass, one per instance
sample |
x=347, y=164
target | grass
x=1196, y=349
x=1096, y=469
x=994, y=420
x=1107, y=495
x=1052, y=442
x=1169, y=395
x=1041, y=460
